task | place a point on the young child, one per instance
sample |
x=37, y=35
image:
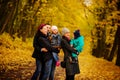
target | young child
x=55, y=42
x=77, y=43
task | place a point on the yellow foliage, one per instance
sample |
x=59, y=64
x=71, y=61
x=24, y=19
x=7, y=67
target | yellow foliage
x=14, y=52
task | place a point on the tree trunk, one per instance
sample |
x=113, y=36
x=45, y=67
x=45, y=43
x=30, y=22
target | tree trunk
x=7, y=20
x=116, y=41
x=107, y=51
x=99, y=51
x=27, y=23
x=12, y=30
x=118, y=54
x=110, y=58
x=23, y=30
x=7, y=15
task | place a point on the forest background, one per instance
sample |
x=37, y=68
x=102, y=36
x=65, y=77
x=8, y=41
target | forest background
x=98, y=21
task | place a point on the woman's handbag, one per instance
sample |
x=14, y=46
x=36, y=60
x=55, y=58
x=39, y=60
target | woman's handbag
x=63, y=64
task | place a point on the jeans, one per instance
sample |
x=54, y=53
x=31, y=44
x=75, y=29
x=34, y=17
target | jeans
x=38, y=70
x=46, y=70
x=55, y=56
x=52, y=70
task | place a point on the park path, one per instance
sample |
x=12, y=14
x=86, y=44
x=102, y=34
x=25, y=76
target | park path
x=92, y=68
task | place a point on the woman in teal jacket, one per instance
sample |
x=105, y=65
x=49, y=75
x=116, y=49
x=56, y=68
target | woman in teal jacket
x=77, y=43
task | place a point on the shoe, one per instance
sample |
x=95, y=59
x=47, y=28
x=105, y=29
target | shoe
x=58, y=63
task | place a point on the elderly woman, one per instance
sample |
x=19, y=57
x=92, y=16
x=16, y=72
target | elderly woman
x=70, y=68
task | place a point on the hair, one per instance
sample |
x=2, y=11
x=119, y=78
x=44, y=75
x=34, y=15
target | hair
x=41, y=26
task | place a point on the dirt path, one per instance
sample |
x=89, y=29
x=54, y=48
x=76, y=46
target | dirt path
x=91, y=69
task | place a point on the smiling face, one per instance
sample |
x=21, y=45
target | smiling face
x=55, y=31
x=48, y=27
x=44, y=30
x=67, y=35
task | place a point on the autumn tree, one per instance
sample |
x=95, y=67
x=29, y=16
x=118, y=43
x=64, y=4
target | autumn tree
x=105, y=34
x=116, y=44
x=7, y=14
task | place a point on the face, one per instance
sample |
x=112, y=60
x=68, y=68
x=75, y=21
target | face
x=48, y=27
x=67, y=35
x=44, y=30
x=55, y=31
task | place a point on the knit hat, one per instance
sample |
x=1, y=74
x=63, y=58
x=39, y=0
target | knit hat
x=65, y=30
x=76, y=33
x=54, y=28
x=41, y=26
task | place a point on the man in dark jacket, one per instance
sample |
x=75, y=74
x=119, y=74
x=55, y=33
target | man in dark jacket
x=42, y=53
x=70, y=68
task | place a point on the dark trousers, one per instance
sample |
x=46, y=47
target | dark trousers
x=70, y=77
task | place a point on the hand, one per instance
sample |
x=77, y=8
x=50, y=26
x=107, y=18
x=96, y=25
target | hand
x=77, y=52
x=44, y=50
x=59, y=49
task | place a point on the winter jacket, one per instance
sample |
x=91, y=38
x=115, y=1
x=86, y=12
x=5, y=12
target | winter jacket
x=55, y=39
x=71, y=68
x=78, y=43
x=42, y=41
x=56, y=42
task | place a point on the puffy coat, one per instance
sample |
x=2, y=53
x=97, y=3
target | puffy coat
x=78, y=43
x=71, y=68
x=42, y=41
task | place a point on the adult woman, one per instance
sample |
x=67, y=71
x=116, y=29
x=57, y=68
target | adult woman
x=42, y=53
x=71, y=69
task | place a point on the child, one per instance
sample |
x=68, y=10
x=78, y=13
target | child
x=55, y=42
x=77, y=43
